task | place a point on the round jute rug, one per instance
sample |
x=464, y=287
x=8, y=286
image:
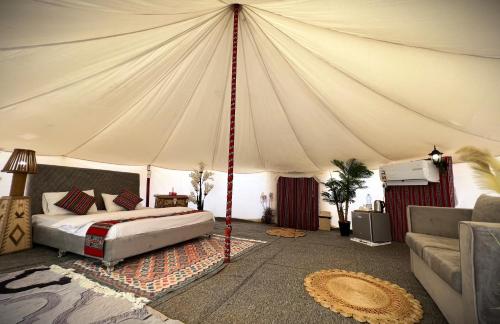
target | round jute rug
x=363, y=297
x=285, y=232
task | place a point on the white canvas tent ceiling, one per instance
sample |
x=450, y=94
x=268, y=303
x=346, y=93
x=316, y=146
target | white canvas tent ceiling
x=148, y=82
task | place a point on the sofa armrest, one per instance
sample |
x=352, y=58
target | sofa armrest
x=440, y=221
x=480, y=267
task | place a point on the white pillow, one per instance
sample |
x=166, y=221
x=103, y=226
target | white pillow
x=110, y=204
x=49, y=200
x=140, y=206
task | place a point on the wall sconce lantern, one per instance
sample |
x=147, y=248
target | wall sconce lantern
x=437, y=158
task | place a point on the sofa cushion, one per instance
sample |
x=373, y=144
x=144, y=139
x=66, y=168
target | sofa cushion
x=418, y=242
x=486, y=209
x=446, y=264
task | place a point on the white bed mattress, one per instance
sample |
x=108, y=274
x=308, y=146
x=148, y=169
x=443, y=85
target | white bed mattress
x=78, y=225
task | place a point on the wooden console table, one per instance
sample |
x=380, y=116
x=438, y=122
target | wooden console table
x=163, y=201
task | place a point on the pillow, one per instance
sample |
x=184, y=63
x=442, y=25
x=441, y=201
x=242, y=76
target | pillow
x=486, y=209
x=76, y=201
x=140, y=206
x=109, y=204
x=127, y=200
x=49, y=200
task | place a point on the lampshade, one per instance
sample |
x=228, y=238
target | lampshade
x=21, y=161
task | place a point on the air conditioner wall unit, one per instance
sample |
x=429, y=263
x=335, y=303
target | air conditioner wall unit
x=412, y=173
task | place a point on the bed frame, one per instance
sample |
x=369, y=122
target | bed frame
x=52, y=178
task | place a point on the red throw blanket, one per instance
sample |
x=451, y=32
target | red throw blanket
x=96, y=234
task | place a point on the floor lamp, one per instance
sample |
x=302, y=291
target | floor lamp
x=15, y=210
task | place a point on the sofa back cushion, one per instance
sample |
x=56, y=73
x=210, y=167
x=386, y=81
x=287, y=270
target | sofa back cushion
x=487, y=209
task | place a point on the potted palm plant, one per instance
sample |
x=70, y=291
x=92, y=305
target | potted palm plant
x=341, y=191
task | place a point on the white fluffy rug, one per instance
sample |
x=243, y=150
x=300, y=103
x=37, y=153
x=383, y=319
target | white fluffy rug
x=57, y=295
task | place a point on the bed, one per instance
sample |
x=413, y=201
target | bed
x=67, y=232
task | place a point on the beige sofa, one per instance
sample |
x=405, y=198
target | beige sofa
x=455, y=254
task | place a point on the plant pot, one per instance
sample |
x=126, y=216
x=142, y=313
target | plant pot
x=267, y=218
x=345, y=228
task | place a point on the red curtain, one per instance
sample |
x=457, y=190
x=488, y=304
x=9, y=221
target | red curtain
x=397, y=198
x=298, y=203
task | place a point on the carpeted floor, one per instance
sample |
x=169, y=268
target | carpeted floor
x=267, y=285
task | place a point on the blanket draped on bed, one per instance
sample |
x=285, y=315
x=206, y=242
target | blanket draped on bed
x=96, y=234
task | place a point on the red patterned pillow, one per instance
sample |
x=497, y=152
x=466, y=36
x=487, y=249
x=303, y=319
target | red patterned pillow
x=76, y=201
x=127, y=199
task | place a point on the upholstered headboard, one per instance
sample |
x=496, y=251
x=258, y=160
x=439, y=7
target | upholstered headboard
x=54, y=178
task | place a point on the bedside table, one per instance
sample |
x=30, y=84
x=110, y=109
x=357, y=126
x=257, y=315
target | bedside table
x=371, y=226
x=163, y=201
x=15, y=224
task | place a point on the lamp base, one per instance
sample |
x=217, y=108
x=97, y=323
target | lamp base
x=15, y=224
x=18, y=184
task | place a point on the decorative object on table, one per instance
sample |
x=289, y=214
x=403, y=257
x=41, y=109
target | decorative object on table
x=325, y=220
x=486, y=167
x=21, y=163
x=172, y=193
x=174, y=267
x=437, y=158
x=368, y=204
x=68, y=297
x=15, y=210
x=15, y=224
x=371, y=228
x=285, y=232
x=379, y=206
x=363, y=297
x=266, y=202
x=200, y=180
x=163, y=201
x=298, y=203
x=342, y=191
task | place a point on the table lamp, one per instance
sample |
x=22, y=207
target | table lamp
x=20, y=163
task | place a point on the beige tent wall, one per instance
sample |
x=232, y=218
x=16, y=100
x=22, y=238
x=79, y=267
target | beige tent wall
x=248, y=187
x=247, y=190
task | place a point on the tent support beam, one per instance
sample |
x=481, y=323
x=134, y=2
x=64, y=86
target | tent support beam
x=230, y=162
x=148, y=185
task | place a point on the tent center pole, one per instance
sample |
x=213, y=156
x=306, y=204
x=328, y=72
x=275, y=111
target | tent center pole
x=230, y=162
x=148, y=185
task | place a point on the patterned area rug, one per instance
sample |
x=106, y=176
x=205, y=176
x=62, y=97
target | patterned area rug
x=363, y=297
x=53, y=295
x=285, y=232
x=155, y=274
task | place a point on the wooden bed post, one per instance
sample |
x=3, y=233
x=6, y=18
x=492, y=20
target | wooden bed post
x=230, y=162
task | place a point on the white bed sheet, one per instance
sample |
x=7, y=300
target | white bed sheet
x=79, y=224
x=48, y=220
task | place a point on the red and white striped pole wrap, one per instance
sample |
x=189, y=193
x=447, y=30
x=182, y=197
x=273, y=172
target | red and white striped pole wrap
x=230, y=162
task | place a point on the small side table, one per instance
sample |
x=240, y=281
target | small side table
x=15, y=224
x=163, y=201
x=325, y=219
x=370, y=226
